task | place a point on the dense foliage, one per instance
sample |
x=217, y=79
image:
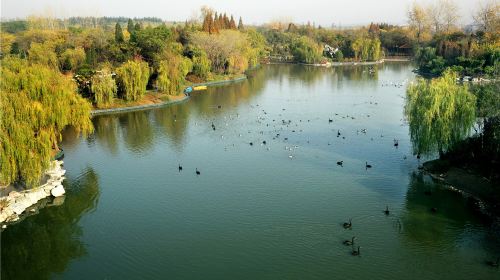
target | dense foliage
x=472, y=51
x=36, y=102
x=440, y=113
x=103, y=87
x=172, y=71
x=132, y=78
x=307, y=43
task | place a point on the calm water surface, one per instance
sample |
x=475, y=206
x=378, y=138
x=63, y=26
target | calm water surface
x=272, y=211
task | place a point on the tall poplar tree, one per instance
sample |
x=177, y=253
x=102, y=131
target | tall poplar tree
x=130, y=26
x=118, y=33
x=240, y=25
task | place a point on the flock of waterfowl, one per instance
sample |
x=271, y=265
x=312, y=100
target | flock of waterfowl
x=284, y=127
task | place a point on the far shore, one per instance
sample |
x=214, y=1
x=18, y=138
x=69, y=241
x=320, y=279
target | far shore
x=347, y=63
x=153, y=99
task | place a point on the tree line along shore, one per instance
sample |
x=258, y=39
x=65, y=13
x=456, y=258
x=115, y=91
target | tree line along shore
x=56, y=71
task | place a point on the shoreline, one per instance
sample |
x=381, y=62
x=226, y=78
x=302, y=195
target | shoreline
x=100, y=112
x=466, y=183
x=18, y=203
x=348, y=63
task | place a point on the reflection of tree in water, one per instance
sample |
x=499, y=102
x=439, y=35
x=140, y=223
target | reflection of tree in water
x=228, y=96
x=294, y=73
x=455, y=216
x=71, y=137
x=106, y=130
x=309, y=75
x=360, y=75
x=173, y=121
x=45, y=243
x=137, y=130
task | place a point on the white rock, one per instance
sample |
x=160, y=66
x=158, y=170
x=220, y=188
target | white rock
x=14, y=194
x=19, y=208
x=58, y=191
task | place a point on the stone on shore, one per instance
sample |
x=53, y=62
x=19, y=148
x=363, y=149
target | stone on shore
x=58, y=191
x=16, y=202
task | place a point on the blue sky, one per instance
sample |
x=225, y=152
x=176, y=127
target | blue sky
x=324, y=12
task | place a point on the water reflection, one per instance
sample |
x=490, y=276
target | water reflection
x=456, y=217
x=106, y=131
x=424, y=226
x=137, y=131
x=173, y=121
x=228, y=97
x=44, y=244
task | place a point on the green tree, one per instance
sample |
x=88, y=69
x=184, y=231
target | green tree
x=43, y=54
x=130, y=26
x=118, y=33
x=137, y=26
x=132, y=78
x=103, y=87
x=201, y=63
x=306, y=50
x=151, y=41
x=232, y=23
x=172, y=72
x=240, y=24
x=70, y=59
x=339, y=56
x=440, y=113
x=36, y=104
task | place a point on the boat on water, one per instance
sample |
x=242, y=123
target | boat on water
x=188, y=90
x=200, y=88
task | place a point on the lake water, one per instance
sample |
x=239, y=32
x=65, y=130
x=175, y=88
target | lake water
x=261, y=211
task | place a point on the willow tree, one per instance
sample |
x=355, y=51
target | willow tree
x=103, y=87
x=440, y=113
x=132, y=79
x=43, y=54
x=172, y=72
x=366, y=49
x=36, y=103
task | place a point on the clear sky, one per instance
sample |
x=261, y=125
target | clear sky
x=324, y=12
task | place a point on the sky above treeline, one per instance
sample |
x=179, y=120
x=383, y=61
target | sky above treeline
x=321, y=12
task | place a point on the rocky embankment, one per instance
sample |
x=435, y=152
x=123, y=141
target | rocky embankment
x=16, y=203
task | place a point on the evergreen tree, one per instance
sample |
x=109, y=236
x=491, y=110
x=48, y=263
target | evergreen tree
x=232, y=23
x=221, y=22
x=226, y=21
x=206, y=23
x=216, y=22
x=240, y=25
x=211, y=25
x=137, y=27
x=130, y=26
x=118, y=33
